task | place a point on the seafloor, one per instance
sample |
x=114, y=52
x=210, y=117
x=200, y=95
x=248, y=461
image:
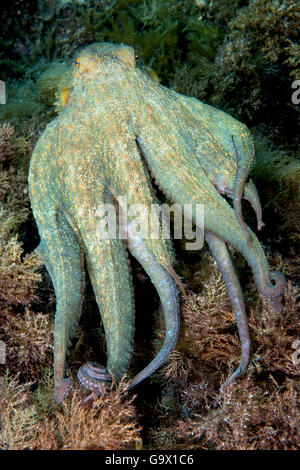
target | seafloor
x=242, y=57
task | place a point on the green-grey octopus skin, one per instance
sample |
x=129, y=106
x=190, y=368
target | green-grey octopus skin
x=119, y=127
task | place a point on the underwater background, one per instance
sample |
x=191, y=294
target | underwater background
x=244, y=58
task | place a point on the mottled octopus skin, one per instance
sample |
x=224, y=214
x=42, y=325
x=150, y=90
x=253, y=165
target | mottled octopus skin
x=117, y=124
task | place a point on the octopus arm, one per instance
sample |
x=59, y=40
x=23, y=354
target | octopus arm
x=107, y=265
x=219, y=218
x=220, y=253
x=63, y=257
x=167, y=291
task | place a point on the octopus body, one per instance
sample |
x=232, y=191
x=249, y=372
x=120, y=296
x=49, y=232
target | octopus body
x=119, y=132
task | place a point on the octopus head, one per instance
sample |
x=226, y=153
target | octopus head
x=92, y=56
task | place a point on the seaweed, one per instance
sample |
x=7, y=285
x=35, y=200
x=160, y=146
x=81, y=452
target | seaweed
x=106, y=423
x=261, y=410
x=256, y=65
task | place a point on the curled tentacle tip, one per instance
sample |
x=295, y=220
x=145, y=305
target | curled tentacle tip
x=61, y=390
x=280, y=283
x=274, y=291
x=225, y=384
x=184, y=294
x=94, y=377
x=260, y=225
x=233, y=376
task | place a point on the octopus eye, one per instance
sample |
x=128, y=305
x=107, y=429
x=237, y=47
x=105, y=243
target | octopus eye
x=77, y=62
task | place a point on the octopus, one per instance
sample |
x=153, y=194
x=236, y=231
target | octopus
x=120, y=136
